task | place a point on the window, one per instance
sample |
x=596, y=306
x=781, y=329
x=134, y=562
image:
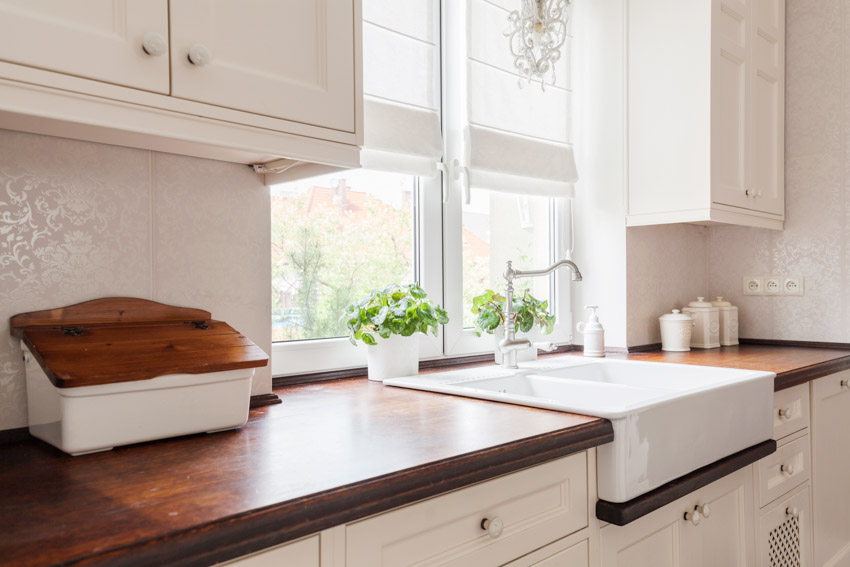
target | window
x=442, y=120
x=335, y=238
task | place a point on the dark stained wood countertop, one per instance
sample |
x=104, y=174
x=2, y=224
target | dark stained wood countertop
x=331, y=453
x=793, y=365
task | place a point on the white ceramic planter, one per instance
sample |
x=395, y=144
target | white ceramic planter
x=394, y=357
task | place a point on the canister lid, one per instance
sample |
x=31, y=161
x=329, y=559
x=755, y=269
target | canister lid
x=676, y=315
x=719, y=302
x=700, y=302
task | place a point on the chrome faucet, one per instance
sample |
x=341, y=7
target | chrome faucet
x=510, y=344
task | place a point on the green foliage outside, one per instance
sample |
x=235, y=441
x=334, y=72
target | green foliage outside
x=323, y=259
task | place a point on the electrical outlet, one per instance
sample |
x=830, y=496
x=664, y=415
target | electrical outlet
x=792, y=285
x=753, y=285
x=773, y=285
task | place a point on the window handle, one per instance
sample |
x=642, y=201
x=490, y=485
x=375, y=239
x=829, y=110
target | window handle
x=461, y=172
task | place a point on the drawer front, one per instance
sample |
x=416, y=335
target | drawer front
x=783, y=534
x=790, y=411
x=784, y=470
x=536, y=506
x=576, y=555
x=304, y=553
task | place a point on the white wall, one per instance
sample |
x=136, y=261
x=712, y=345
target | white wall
x=598, y=82
x=80, y=220
x=816, y=239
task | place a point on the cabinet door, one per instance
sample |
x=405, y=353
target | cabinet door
x=783, y=533
x=290, y=59
x=730, y=69
x=558, y=554
x=767, y=117
x=830, y=466
x=652, y=541
x=95, y=39
x=724, y=536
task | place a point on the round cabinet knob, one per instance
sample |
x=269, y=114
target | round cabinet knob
x=199, y=55
x=785, y=413
x=704, y=510
x=787, y=469
x=845, y=384
x=154, y=44
x=494, y=526
x=793, y=512
x=750, y=192
x=26, y=357
x=693, y=517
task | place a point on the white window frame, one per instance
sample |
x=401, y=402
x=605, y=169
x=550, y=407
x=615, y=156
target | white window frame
x=440, y=271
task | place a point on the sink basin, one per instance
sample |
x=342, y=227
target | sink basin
x=669, y=419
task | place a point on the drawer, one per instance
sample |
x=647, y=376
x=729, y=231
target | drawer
x=303, y=553
x=559, y=554
x=536, y=506
x=790, y=411
x=787, y=468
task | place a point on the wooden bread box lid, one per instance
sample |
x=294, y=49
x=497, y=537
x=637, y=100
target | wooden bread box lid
x=123, y=339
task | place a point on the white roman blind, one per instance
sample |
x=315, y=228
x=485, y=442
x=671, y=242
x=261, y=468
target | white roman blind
x=401, y=103
x=515, y=140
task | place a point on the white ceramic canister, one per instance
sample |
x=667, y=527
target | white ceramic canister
x=728, y=321
x=676, y=330
x=706, y=323
x=594, y=334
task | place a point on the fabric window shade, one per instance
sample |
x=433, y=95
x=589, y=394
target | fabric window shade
x=515, y=140
x=401, y=115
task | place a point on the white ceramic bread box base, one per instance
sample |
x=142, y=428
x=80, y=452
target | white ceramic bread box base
x=88, y=419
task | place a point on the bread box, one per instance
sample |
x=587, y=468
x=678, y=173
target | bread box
x=119, y=370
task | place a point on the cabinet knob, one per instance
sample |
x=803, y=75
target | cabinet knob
x=793, y=512
x=199, y=55
x=494, y=526
x=750, y=192
x=785, y=413
x=154, y=44
x=787, y=469
x=693, y=517
x=704, y=510
x=845, y=383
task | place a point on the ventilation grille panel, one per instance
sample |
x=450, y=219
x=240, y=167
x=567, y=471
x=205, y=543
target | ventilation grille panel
x=784, y=543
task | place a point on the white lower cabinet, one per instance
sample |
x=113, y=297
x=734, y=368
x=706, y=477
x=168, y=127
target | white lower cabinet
x=488, y=524
x=831, y=470
x=783, y=532
x=711, y=527
x=562, y=553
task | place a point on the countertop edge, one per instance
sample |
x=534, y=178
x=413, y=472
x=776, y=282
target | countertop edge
x=235, y=536
x=785, y=380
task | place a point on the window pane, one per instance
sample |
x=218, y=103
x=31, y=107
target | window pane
x=334, y=238
x=498, y=227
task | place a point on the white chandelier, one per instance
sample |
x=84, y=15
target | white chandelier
x=537, y=33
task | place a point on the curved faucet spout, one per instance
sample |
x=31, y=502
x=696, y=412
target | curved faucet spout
x=510, y=344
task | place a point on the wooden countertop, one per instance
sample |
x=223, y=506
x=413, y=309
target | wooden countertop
x=793, y=365
x=329, y=454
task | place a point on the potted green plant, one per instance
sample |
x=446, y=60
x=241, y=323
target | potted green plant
x=529, y=312
x=386, y=321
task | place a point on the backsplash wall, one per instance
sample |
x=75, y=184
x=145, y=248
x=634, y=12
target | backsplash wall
x=80, y=220
x=816, y=241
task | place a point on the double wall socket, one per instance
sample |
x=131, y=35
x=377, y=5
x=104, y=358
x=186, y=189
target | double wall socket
x=773, y=285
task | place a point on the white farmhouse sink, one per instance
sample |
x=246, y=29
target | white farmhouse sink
x=669, y=419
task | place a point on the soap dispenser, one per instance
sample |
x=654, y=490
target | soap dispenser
x=594, y=334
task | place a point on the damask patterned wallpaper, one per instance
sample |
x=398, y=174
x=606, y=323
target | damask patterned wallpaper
x=816, y=239
x=80, y=220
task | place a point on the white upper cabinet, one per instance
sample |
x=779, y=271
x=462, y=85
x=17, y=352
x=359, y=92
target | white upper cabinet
x=706, y=112
x=285, y=59
x=95, y=39
x=270, y=82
